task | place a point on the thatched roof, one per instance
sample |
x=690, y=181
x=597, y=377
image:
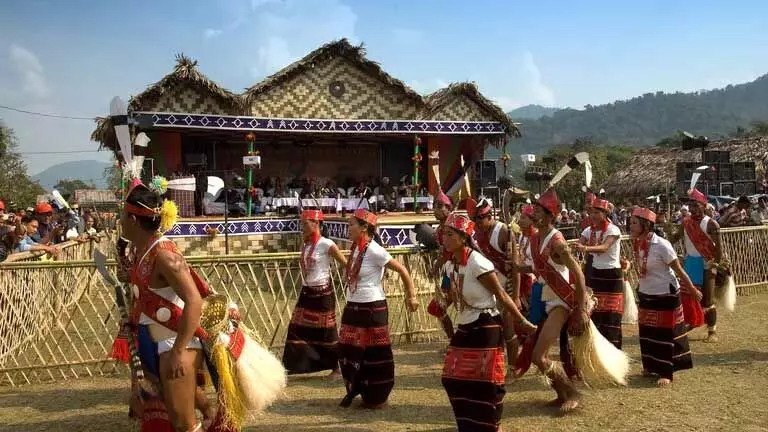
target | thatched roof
x=104, y=134
x=649, y=170
x=443, y=97
x=185, y=73
x=336, y=49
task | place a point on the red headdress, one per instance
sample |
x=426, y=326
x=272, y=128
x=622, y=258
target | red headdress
x=478, y=210
x=549, y=201
x=600, y=204
x=366, y=216
x=460, y=223
x=644, y=213
x=527, y=210
x=697, y=196
x=315, y=215
x=444, y=199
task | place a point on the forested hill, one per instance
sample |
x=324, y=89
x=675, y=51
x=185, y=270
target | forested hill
x=645, y=120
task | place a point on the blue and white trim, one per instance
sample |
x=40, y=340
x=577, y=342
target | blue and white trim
x=337, y=126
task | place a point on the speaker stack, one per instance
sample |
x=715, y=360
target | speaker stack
x=484, y=179
x=728, y=178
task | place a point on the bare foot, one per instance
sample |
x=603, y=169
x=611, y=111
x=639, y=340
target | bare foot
x=208, y=417
x=711, y=338
x=557, y=403
x=663, y=382
x=569, y=405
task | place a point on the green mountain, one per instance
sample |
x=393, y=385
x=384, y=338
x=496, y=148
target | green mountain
x=646, y=119
x=91, y=172
x=532, y=112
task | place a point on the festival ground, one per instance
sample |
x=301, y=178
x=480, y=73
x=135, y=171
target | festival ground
x=722, y=393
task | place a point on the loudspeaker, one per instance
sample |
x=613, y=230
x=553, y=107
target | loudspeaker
x=485, y=172
x=744, y=171
x=716, y=156
x=702, y=186
x=725, y=171
x=711, y=175
x=744, y=188
x=726, y=189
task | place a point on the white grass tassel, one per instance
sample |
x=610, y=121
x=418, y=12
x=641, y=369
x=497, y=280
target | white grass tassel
x=727, y=295
x=599, y=362
x=630, y=305
x=260, y=375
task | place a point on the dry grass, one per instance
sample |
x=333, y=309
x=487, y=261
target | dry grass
x=724, y=392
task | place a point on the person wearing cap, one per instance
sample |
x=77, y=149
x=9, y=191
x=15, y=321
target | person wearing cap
x=492, y=239
x=312, y=341
x=703, y=255
x=663, y=340
x=438, y=307
x=365, y=351
x=46, y=232
x=565, y=296
x=473, y=370
x=602, y=270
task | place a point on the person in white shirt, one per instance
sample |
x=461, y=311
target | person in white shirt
x=365, y=352
x=312, y=341
x=663, y=340
x=602, y=271
x=474, y=368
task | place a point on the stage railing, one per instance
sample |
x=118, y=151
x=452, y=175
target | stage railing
x=58, y=319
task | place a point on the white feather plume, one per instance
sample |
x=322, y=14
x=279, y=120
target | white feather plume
x=118, y=108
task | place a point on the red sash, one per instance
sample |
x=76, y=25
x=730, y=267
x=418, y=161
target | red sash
x=149, y=302
x=498, y=259
x=544, y=269
x=699, y=238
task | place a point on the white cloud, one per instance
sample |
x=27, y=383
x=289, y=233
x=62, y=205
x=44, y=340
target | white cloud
x=30, y=70
x=540, y=92
x=507, y=103
x=211, y=33
x=274, y=54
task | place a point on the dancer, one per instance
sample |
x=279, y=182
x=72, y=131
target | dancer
x=565, y=297
x=602, y=271
x=442, y=207
x=492, y=239
x=312, y=342
x=703, y=255
x=530, y=288
x=473, y=372
x=663, y=340
x=365, y=352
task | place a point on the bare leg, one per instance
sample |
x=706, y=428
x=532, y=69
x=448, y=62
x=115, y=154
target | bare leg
x=180, y=394
x=567, y=395
x=708, y=301
x=512, y=342
x=205, y=407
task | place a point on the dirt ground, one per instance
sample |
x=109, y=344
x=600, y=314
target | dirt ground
x=726, y=391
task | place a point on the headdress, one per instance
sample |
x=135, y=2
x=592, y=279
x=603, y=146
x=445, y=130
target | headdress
x=482, y=209
x=696, y=195
x=460, y=223
x=167, y=212
x=527, y=210
x=644, y=213
x=549, y=201
x=315, y=215
x=693, y=193
x=600, y=204
x=366, y=216
x=440, y=197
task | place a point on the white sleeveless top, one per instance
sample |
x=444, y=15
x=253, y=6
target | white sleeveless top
x=690, y=249
x=495, y=237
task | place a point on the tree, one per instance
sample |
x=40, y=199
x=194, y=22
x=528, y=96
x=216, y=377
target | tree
x=68, y=187
x=112, y=174
x=759, y=128
x=605, y=160
x=16, y=188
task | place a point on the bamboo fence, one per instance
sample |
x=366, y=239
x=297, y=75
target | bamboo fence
x=58, y=318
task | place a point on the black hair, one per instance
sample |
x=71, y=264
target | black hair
x=371, y=230
x=141, y=196
x=27, y=219
x=323, y=229
x=744, y=200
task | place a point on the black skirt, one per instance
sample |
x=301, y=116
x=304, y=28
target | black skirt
x=312, y=342
x=473, y=374
x=367, y=364
x=608, y=287
x=663, y=339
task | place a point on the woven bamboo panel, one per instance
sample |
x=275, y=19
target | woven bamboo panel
x=185, y=99
x=238, y=245
x=307, y=96
x=462, y=108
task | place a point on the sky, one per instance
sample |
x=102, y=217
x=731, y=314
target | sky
x=71, y=57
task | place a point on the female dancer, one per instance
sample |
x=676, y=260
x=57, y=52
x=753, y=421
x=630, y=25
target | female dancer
x=365, y=352
x=474, y=370
x=663, y=342
x=312, y=343
x=602, y=272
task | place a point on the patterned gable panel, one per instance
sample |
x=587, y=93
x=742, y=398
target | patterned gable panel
x=357, y=96
x=185, y=99
x=462, y=108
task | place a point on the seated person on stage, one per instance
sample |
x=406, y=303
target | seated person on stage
x=387, y=191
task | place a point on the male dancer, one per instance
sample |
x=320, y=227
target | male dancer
x=442, y=207
x=703, y=253
x=492, y=237
x=565, y=296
